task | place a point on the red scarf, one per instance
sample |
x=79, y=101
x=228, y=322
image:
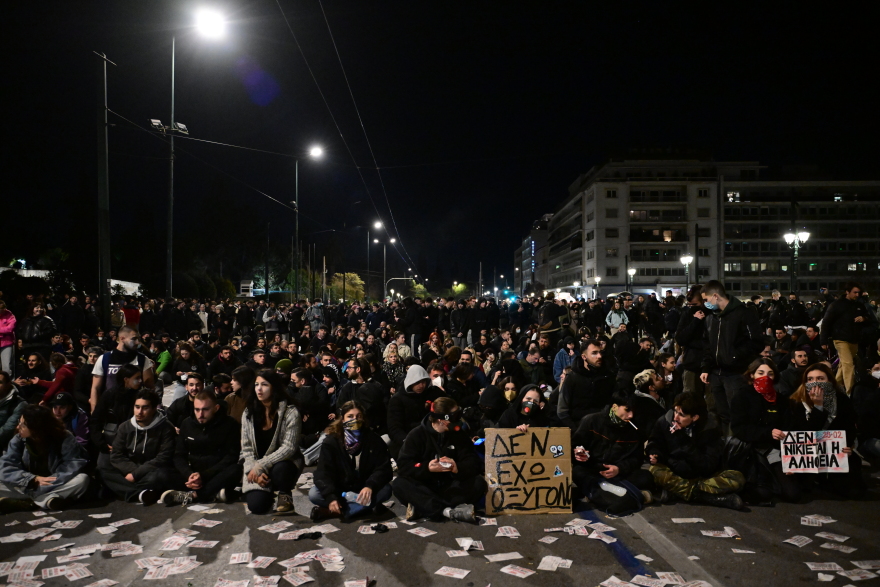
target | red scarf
x=764, y=386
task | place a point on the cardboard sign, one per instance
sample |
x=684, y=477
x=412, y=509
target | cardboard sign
x=528, y=472
x=814, y=452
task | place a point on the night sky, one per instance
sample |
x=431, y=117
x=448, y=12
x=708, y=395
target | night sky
x=480, y=114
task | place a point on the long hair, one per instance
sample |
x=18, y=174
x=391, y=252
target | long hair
x=246, y=378
x=125, y=372
x=185, y=346
x=800, y=394
x=47, y=431
x=335, y=428
x=255, y=408
x=753, y=366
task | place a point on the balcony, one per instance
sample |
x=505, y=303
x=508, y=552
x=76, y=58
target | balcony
x=658, y=235
x=658, y=196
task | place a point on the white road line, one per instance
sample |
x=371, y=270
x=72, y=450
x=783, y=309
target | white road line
x=675, y=556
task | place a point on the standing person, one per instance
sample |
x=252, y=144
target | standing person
x=11, y=407
x=7, y=338
x=315, y=315
x=842, y=328
x=270, y=430
x=691, y=337
x=616, y=317
x=459, y=322
x=206, y=454
x=126, y=352
x=43, y=467
x=354, y=469
x=550, y=313
x=141, y=463
x=440, y=473
x=734, y=341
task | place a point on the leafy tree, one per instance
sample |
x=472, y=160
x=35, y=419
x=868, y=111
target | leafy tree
x=354, y=287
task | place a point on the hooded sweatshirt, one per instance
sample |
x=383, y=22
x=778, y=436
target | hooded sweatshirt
x=406, y=409
x=141, y=449
x=512, y=417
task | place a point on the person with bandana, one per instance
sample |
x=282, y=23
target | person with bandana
x=354, y=471
x=758, y=415
x=526, y=410
x=440, y=474
x=819, y=405
x=685, y=450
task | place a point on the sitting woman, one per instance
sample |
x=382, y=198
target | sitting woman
x=44, y=465
x=270, y=431
x=354, y=470
x=526, y=410
x=818, y=405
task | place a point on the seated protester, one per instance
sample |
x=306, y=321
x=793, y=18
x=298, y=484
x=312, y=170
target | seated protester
x=781, y=346
x=331, y=384
x=225, y=362
x=492, y=405
x=314, y=410
x=36, y=369
x=182, y=408
x=818, y=405
x=75, y=419
x=408, y=407
x=758, y=416
x=526, y=410
x=812, y=341
x=686, y=452
x=508, y=387
x=206, y=454
x=43, y=466
x=649, y=400
x=354, y=471
x=439, y=472
x=64, y=379
x=564, y=358
x=866, y=400
x=533, y=367
x=257, y=361
x=221, y=386
x=141, y=464
x=462, y=387
x=790, y=378
x=11, y=407
x=394, y=369
x=608, y=455
x=115, y=406
x=633, y=358
x=243, y=379
x=665, y=367
x=369, y=394
x=188, y=361
x=270, y=431
x=357, y=372
x=588, y=388
x=275, y=355
x=163, y=358
x=82, y=385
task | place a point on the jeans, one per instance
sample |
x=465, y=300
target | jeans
x=283, y=476
x=7, y=353
x=351, y=509
x=846, y=372
x=70, y=491
x=724, y=387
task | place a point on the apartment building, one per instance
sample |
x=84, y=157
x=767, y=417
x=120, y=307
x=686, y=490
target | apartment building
x=531, y=266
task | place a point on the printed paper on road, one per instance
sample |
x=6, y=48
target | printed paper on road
x=452, y=572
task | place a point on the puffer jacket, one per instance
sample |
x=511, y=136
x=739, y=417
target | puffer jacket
x=38, y=330
x=734, y=339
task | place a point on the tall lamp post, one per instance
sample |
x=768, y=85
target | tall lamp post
x=631, y=272
x=577, y=289
x=384, y=265
x=315, y=152
x=598, y=279
x=686, y=261
x=795, y=240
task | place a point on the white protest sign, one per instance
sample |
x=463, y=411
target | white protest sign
x=814, y=452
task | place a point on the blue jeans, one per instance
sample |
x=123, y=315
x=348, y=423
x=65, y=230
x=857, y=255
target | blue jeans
x=351, y=509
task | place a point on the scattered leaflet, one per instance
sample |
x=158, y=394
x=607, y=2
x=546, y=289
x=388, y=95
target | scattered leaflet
x=505, y=556
x=834, y=537
x=450, y=572
x=824, y=566
x=798, y=541
x=520, y=572
x=508, y=531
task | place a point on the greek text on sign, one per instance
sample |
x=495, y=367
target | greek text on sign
x=814, y=452
x=528, y=472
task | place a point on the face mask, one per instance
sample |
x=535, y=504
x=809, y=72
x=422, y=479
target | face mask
x=825, y=386
x=353, y=425
x=876, y=374
x=710, y=306
x=669, y=377
x=528, y=407
x=439, y=382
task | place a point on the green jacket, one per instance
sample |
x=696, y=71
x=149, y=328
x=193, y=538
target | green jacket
x=162, y=361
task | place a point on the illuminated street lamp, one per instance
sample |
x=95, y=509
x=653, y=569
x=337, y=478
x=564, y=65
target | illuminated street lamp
x=631, y=272
x=686, y=261
x=598, y=279
x=795, y=241
x=577, y=287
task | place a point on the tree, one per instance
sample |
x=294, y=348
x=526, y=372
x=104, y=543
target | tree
x=354, y=287
x=418, y=290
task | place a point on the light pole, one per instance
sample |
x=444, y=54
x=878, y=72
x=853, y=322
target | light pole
x=577, y=288
x=686, y=261
x=631, y=272
x=795, y=241
x=598, y=279
x=315, y=152
x=384, y=265
x=212, y=25
x=378, y=226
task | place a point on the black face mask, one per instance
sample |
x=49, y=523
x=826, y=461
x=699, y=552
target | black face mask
x=528, y=407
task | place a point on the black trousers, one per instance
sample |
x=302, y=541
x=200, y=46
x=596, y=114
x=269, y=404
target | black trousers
x=157, y=479
x=431, y=501
x=283, y=476
x=588, y=482
x=228, y=479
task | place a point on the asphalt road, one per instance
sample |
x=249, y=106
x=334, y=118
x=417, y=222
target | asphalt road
x=401, y=558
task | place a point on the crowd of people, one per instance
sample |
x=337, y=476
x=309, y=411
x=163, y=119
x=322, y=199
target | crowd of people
x=667, y=398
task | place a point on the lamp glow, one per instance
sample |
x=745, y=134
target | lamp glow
x=210, y=24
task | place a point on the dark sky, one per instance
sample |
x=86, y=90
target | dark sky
x=481, y=114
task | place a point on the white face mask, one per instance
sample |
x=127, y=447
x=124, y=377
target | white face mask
x=669, y=377
x=875, y=374
x=439, y=381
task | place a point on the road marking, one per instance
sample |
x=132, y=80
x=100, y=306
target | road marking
x=671, y=553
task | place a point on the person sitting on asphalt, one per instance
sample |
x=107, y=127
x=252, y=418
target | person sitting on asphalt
x=790, y=378
x=75, y=419
x=608, y=455
x=439, y=472
x=225, y=362
x=686, y=451
x=270, y=429
x=588, y=388
x=866, y=400
x=206, y=454
x=243, y=379
x=183, y=407
x=11, y=406
x=526, y=410
x=141, y=463
x=354, y=471
x=43, y=466
x=408, y=407
x=649, y=400
x=114, y=407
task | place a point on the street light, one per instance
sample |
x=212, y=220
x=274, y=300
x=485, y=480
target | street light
x=384, y=258
x=686, y=261
x=795, y=241
x=598, y=279
x=315, y=152
x=212, y=25
x=631, y=272
x=577, y=287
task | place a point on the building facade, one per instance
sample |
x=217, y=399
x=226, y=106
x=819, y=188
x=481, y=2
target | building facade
x=531, y=266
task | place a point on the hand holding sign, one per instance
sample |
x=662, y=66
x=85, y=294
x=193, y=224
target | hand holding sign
x=822, y=451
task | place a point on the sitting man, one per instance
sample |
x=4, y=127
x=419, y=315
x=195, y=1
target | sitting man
x=440, y=474
x=182, y=408
x=206, y=456
x=790, y=378
x=43, y=466
x=408, y=407
x=649, y=402
x=686, y=451
x=608, y=457
x=141, y=463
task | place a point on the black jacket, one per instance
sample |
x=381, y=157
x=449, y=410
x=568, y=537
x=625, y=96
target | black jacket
x=138, y=451
x=799, y=418
x=608, y=444
x=646, y=412
x=459, y=321
x=734, y=339
x=584, y=391
x=183, y=408
x=338, y=471
x=752, y=418
x=866, y=401
x=840, y=321
x=465, y=394
x=692, y=456
x=218, y=365
x=208, y=448
x=114, y=407
x=424, y=444
x=511, y=418
x=407, y=410
x=789, y=380
x=691, y=335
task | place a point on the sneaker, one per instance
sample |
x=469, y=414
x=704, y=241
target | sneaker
x=729, y=500
x=172, y=497
x=10, y=505
x=225, y=496
x=647, y=496
x=148, y=496
x=410, y=513
x=318, y=513
x=55, y=504
x=462, y=513
x=284, y=503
